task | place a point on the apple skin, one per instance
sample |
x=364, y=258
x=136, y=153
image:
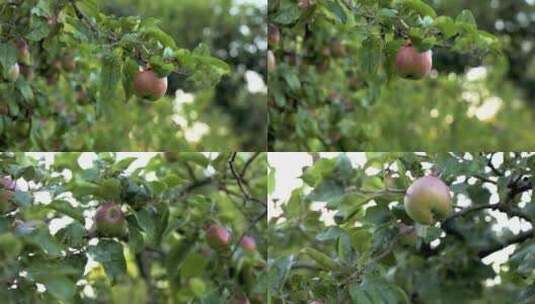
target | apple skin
x=218, y=237
x=274, y=35
x=110, y=220
x=315, y=302
x=13, y=73
x=427, y=199
x=271, y=62
x=68, y=63
x=248, y=243
x=148, y=85
x=23, y=54
x=412, y=64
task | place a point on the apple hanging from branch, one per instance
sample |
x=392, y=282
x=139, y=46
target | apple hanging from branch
x=147, y=84
x=110, y=220
x=427, y=200
x=412, y=64
x=218, y=237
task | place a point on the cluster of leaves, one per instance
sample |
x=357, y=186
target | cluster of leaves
x=50, y=251
x=81, y=65
x=334, y=86
x=236, y=34
x=373, y=252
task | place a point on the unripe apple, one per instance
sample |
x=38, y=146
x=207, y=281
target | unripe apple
x=248, y=243
x=274, y=35
x=23, y=54
x=427, y=199
x=13, y=73
x=148, y=85
x=271, y=62
x=218, y=237
x=412, y=64
x=110, y=220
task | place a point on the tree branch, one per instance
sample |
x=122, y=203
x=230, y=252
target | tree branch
x=519, y=238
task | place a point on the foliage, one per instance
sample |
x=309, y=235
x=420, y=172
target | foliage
x=237, y=34
x=370, y=251
x=79, y=74
x=334, y=84
x=50, y=251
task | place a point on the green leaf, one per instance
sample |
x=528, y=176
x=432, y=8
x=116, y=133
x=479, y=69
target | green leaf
x=64, y=207
x=110, y=254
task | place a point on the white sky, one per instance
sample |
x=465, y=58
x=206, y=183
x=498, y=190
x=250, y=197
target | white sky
x=288, y=169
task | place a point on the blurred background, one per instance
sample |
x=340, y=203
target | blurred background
x=232, y=116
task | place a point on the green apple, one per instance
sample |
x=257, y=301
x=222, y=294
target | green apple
x=427, y=200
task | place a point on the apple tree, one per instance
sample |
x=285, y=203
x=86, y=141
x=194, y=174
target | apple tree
x=110, y=228
x=68, y=68
x=359, y=232
x=393, y=75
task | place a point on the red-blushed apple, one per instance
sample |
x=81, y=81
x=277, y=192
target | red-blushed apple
x=218, y=237
x=427, y=200
x=248, y=243
x=147, y=84
x=23, y=53
x=273, y=35
x=110, y=220
x=315, y=302
x=412, y=64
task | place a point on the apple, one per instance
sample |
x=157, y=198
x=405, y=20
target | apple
x=271, y=62
x=68, y=63
x=315, y=302
x=57, y=65
x=13, y=73
x=148, y=85
x=110, y=220
x=339, y=49
x=23, y=54
x=412, y=64
x=248, y=243
x=427, y=199
x=273, y=35
x=218, y=237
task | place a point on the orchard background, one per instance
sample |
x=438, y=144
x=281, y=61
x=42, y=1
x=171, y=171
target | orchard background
x=52, y=249
x=334, y=87
x=339, y=233
x=75, y=90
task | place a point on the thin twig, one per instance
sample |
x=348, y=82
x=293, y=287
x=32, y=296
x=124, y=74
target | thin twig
x=248, y=163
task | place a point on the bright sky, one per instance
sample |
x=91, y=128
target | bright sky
x=288, y=168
